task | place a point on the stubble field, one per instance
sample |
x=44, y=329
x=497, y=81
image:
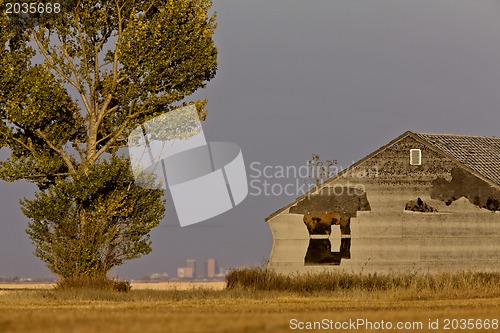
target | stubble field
x=212, y=308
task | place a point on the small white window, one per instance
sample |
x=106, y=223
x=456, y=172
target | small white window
x=415, y=157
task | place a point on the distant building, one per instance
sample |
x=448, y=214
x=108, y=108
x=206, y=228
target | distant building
x=211, y=266
x=191, y=263
x=158, y=277
x=189, y=271
x=185, y=273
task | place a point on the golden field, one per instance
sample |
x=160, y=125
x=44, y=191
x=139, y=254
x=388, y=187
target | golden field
x=168, y=307
x=135, y=286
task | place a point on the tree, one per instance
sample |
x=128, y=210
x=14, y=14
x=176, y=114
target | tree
x=319, y=173
x=107, y=66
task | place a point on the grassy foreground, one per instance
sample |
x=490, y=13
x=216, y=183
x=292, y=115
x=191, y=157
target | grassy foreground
x=246, y=307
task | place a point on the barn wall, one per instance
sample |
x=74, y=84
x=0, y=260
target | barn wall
x=460, y=236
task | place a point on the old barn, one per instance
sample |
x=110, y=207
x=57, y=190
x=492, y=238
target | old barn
x=423, y=202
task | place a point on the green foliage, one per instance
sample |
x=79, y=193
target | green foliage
x=86, y=224
x=107, y=67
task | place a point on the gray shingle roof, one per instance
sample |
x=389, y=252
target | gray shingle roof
x=480, y=153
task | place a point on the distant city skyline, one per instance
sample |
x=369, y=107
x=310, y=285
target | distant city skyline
x=191, y=270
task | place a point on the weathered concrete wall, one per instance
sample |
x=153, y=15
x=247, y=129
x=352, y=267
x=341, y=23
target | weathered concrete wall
x=464, y=184
x=459, y=236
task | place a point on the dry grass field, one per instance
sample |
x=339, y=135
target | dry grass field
x=208, y=308
x=135, y=286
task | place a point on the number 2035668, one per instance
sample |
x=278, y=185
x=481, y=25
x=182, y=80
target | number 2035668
x=32, y=8
x=470, y=324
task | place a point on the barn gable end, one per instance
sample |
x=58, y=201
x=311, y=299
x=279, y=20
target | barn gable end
x=438, y=214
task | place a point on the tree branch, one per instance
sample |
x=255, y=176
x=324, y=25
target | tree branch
x=33, y=152
x=112, y=139
x=78, y=79
x=70, y=61
x=115, y=135
x=116, y=80
x=61, y=152
x=52, y=64
x=51, y=175
x=120, y=35
x=85, y=61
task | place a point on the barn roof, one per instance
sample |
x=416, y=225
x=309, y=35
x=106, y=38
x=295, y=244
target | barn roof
x=480, y=155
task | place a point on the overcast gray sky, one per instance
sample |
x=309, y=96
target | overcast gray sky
x=337, y=78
